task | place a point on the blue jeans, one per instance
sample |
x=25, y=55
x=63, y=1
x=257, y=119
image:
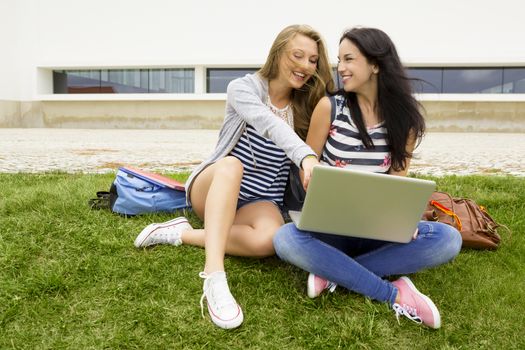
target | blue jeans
x=358, y=264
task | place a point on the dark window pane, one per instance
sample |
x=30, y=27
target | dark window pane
x=514, y=80
x=59, y=82
x=124, y=81
x=426, y=80
x=217, y=79
x=472, y=80
x=337, y=78
x=172, y=80
x=76, y=82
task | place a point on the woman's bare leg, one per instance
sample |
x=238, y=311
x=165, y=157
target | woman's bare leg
x=214, y=199
x=251, y=234
x=246, y=232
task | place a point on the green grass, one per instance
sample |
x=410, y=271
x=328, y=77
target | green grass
x=70, y=278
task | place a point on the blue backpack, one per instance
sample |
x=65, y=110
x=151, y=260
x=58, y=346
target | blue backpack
x=135, y=192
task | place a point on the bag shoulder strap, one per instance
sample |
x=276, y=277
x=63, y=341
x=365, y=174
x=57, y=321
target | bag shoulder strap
x=101, y=202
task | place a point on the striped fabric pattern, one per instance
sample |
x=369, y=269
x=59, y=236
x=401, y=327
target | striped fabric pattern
x=344, y=147
x=266, y=167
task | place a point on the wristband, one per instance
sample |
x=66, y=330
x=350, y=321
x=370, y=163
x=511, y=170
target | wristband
x=308, y=156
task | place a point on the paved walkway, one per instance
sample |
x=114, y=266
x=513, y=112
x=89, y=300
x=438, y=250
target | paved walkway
x=96, y=151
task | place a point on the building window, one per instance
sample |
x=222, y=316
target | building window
x=468, y=80
x=472, y=80
x=124, y=81
x=433, y=80
x=171, y=80
x=76, y=82
x=217, y=79
x=338, y=83
x=426, y=80
x=514, y=80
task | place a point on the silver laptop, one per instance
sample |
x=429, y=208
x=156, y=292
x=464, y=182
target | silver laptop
x=363, y=204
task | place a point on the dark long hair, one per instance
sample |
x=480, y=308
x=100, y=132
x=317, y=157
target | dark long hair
x=397, y=108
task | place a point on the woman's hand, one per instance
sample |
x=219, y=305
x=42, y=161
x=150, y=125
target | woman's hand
x=307, y=165
x=414, y=236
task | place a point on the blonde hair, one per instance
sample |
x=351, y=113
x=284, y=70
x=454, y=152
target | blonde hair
x=305, y=99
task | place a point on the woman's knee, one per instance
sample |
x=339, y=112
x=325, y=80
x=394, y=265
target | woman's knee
x=296, y=247
x=265, y=247
x=455, y=240
x=261, y=243
x=283, y=240
x=229, y=168
x=449, y=240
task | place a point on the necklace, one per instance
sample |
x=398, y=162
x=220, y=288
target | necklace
x=286, y=113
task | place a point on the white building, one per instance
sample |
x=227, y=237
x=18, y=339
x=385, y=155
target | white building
x=164, y=63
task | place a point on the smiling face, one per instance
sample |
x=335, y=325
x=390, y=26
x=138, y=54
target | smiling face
x=358, y=75
x=298, y=61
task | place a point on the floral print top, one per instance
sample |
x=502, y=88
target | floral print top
x=344, y=147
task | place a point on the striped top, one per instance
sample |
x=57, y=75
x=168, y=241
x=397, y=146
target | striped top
x=344, y=147
x=266, y=167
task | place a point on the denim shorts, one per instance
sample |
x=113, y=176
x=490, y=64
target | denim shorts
x=241, y=203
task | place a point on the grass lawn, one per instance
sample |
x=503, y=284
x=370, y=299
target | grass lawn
x=70, y=278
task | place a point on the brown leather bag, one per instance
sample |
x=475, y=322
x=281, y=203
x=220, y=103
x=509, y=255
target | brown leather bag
x=477, y=228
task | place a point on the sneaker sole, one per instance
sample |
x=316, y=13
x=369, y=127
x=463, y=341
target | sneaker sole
x=310, y=287
x=148, y=230
x=227, y=324
x=430, y=303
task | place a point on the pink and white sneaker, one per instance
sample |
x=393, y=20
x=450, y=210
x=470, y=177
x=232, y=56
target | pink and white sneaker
x=316, y=285
x=415, y=305
x=169, y=232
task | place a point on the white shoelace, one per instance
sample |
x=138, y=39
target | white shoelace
x=163, y=236
x=221, y=296
x=407, y=311
x=331, y=286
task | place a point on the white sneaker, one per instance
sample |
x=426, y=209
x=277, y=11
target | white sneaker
x=169, y=232
x=222, y=307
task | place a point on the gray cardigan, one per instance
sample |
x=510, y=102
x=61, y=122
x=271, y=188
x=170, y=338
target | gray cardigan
x=245, y=104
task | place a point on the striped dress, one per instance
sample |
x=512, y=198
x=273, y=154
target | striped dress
x=266, y=167
x=344, y=147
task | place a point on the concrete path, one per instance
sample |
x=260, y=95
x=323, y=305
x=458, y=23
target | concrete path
x=96, y=151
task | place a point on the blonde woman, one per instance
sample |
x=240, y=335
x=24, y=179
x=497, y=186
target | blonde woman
x=238, y=191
